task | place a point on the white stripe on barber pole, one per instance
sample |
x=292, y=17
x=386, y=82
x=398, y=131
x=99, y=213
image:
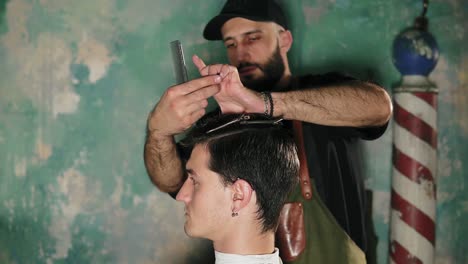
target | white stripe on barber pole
x=411, y=240
x=418, y=107
x=416, y=194
x=415, y=148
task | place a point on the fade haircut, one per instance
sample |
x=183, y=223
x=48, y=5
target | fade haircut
x=255, y=148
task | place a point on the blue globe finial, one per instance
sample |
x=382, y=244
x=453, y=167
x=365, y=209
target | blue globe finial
x=415, y=51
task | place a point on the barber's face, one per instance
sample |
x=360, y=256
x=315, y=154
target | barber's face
x=207, y=201
x=253, y=48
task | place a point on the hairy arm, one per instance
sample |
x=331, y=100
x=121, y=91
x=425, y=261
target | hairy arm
x=333, y=100
x=351, y=103
x=177, y=110
x=163, y=163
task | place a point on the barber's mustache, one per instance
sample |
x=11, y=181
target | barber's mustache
x=248, y=64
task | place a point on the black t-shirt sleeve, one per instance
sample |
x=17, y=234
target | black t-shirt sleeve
x=371, y=133
x=321, y=80
x=366, y=133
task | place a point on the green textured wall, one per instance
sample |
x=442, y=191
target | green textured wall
x=77, y=79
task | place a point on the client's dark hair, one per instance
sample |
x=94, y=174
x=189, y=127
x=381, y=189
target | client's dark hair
x=255, y=148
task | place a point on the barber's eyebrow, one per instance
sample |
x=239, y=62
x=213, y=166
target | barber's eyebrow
x=245, y=34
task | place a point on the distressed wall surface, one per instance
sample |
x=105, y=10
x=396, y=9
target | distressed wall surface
x=77, y=79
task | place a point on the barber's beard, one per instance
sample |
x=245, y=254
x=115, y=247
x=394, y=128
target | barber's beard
x=273, y=70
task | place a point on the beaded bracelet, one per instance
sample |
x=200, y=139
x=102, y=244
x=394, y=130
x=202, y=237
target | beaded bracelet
x=268, y=101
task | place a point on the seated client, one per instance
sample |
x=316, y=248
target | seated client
x=239, y=174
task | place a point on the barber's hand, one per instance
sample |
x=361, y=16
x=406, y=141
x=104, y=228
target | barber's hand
x=233, y=96
x=182, y=105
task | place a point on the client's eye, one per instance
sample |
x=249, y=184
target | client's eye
x=194, y=182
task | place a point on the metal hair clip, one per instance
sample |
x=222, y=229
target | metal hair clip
x=245, y=119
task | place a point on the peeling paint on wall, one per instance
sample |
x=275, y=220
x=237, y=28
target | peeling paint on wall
x=43, y=151
x=72, y=185
x=79, y=78
x=96, y=56
x=20, y=167
x=381, y=203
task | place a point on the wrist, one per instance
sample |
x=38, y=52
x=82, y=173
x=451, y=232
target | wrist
x=151, y=128
x=157, y=134
x=160, y=143
x=154, y=133
x=278, y=104
x=267, y=103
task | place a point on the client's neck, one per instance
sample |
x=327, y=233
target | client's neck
x=246, y=241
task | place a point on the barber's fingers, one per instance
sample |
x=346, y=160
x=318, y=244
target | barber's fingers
x=197, y=84
x=187, y=104
x=203, y=93
x=195, y=106
x=216, y=69
x=199, y=63
x=191, y=113
x=225, y=69
x=197, y=115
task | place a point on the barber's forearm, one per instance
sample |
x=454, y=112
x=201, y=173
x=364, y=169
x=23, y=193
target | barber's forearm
x=163, y=163
x=358, y=104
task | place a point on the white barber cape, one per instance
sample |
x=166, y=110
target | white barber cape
x=224, y=258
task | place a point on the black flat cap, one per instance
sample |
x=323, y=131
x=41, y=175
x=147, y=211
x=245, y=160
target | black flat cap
x=256, y=10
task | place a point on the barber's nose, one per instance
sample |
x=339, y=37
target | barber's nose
x=243, y=53
x=184, y=194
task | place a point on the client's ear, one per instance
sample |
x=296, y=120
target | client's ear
x=241, y=194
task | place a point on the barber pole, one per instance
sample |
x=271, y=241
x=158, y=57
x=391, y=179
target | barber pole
x=413, y=195
x=414, y=170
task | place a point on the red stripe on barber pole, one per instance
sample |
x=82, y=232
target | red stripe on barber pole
x=414, y=217
x=418, y=107
x=410, y=239
x=421, y=195
x=430, y=98
x=415, y=148
x=400, y=255
x=415, y=125
x=410, y=168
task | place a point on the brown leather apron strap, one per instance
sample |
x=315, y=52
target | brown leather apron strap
x=304, y=169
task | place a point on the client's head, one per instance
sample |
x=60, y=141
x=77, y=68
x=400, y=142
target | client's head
x=240, y=172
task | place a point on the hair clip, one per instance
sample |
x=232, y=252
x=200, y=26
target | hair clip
x=225, y=125
x=246, y=119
